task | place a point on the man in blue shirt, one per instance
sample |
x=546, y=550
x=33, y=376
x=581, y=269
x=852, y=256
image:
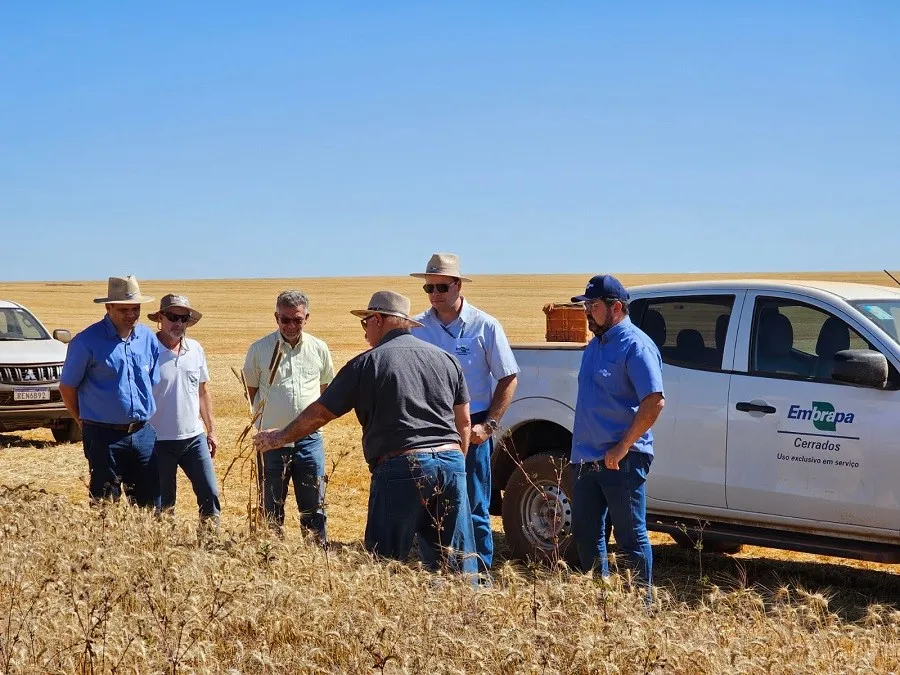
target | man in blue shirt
x=107, y=384
x=620, y=396
x=477, y=340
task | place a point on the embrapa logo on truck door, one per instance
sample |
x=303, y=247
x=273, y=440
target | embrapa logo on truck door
x=822, y=414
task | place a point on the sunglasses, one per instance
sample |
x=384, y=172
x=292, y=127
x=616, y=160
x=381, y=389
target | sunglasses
x=365, y=322
x=299, y=321
x=440, y=288
x=176, y=318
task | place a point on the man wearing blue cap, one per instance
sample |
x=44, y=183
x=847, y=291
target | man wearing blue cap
x=620, y=396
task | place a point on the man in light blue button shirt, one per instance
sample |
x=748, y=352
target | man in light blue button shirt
x=620, y=396
x=478, y=342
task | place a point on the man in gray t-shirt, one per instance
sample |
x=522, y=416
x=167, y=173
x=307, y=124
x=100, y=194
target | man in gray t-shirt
x=411, y=400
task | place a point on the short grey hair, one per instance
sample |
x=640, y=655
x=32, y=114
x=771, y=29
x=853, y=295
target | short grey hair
x=292, y=299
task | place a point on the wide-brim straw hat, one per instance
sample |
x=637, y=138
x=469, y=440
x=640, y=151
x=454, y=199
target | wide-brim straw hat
x=123, y=291
x=444, y=264
x=172, y=300
x=389, y=303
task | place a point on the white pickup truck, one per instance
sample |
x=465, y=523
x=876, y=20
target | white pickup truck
x=781, y=426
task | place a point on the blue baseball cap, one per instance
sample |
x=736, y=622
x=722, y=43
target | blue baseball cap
x=603, y=287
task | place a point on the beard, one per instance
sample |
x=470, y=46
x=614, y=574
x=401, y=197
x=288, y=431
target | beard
x=596, y=328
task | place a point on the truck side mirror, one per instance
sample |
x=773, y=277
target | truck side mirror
x=62, y=335
x=864, y=367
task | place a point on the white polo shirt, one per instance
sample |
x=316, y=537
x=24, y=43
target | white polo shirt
x=178, y=393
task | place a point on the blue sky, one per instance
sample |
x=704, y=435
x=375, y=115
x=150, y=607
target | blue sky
x=205, y=140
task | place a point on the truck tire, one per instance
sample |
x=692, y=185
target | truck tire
x=69, y=432
x=537, y=510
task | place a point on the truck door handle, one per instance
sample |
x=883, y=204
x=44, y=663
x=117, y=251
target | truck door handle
x=746, y=406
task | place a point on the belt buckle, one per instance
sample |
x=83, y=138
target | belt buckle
x=133, y=426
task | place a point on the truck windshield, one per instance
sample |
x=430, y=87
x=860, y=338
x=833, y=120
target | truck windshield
x=885, y=313
x=17, y=324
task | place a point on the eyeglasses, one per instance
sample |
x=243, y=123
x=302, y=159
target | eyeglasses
x=440, y=288
x=176, y=318
x=298, y=321
x=365, y=322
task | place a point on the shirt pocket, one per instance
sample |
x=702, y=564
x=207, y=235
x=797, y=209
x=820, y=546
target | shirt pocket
x=192, y=379
x=468, y=351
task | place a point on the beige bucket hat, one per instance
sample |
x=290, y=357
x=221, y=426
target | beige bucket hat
x=172, y=300
x=123, y=291
x=445, y=264
x=390, y=303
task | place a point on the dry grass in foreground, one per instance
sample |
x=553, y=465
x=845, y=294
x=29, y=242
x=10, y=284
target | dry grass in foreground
x=115, y=590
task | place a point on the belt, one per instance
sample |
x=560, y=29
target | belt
x=447, y=447
x=130, y=428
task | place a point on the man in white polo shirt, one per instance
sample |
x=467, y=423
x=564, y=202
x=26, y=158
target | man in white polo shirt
x=185, y=434
x=303, y=373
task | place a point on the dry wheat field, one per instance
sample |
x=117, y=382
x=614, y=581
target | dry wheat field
x=114, y=590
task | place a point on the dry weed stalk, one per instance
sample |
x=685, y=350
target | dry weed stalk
x=246, y=455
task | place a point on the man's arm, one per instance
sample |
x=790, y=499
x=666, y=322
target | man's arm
x=503, y=396
x=312, y=419
x=206, y=414
x=463, y=425
x=70, y=398
x=647, y=414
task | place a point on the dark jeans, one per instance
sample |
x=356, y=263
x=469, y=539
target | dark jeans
x=192, y=455
x=304, y=464
x=478, y=489
x=122, y=462
x=425, y=494
x=621, y=495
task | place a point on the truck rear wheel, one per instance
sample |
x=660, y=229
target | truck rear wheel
x=68, y=432
x=537, y=510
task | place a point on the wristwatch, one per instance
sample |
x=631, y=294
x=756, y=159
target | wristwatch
x=492, y=424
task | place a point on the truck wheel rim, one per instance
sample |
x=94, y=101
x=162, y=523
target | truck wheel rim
x=546, y=515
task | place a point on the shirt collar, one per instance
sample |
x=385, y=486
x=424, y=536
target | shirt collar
x=287, y=344
x=397, y=332
x=616, y=330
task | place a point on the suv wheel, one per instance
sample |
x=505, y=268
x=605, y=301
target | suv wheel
x=537, y=510
x=68, y=432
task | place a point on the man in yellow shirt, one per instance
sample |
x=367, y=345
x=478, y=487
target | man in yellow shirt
x=303, y=373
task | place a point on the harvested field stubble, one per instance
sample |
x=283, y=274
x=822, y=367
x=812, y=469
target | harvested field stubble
x=115, y=590
x=112, y=590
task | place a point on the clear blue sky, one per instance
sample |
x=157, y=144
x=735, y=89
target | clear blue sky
x=289, y=139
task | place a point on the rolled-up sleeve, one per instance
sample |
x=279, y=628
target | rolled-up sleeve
x=501, y=360
x=644, y=368
x=251, y=371
x=78, y=358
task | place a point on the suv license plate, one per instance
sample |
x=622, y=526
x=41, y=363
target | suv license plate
x=42, y=394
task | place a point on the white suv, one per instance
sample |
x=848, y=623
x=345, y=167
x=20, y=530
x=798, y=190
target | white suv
x=781, y=424
x=30, y=366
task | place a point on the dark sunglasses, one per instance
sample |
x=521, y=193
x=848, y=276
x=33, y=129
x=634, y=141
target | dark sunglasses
x=365, y=322
x=440, y=288
x=176, y=318
x=299, y=321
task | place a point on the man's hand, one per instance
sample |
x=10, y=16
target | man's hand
x=213, y=443
x=615, y=455
x=268, y=440
x=479, y=435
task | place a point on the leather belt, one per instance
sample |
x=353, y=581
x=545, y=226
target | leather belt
x=447, y=447
x=130, y=428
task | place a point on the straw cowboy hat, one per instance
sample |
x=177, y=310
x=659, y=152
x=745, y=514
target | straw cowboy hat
x=172, y=300
x=121, y=291
x=390, y=303
x=445, y=264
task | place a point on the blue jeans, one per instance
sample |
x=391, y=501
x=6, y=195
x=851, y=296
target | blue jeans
x=478, y=489
x=122, y=462
x=425, y=494
x=192, y=455
x=620, y=494
x=304, y=464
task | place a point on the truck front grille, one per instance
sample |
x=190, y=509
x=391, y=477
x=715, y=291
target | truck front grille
x=30, y=374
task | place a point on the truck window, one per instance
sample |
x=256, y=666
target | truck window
x=797, y=340
x=689, y=331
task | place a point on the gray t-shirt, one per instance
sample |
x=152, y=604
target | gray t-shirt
x=403, y=392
